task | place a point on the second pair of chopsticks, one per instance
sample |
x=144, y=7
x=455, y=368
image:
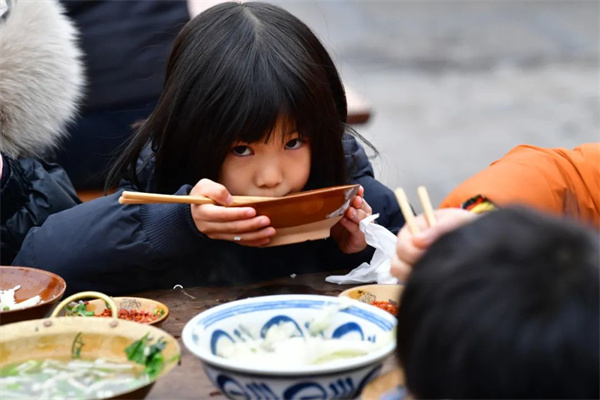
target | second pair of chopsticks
x=150, y=198
x=407, y=210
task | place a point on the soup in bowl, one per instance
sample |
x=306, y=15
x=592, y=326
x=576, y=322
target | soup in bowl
x=83, y=358
x=291, y=346
x=30, y=293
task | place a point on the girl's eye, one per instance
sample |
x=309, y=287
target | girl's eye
x=294, y=144
x=242, y=150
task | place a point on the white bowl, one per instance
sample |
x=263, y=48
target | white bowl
x=342, y=378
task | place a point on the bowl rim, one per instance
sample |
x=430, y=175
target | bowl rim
x=373, y=287
x=332, y=367
x=42, y=303
x=302, y=195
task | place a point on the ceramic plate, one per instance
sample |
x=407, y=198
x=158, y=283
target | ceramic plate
x=50, y=287
x=138, y=304
x=371, y=293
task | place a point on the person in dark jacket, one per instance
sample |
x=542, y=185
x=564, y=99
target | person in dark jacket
x=504, y=307
x=41, y=82
x=252, y=105
x=126, y=46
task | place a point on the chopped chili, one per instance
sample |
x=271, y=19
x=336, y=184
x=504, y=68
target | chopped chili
x=132, y=315
x=387, y=306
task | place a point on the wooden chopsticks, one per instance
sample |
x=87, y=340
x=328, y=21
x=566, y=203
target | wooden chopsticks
x=407, y=210
x=151, y=198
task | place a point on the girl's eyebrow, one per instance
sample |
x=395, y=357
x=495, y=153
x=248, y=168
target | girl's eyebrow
x=291, y=136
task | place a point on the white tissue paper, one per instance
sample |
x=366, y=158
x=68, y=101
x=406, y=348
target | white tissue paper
x=378, y=270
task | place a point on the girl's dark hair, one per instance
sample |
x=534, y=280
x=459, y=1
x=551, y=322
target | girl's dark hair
x=233, y=71
x=506, y=307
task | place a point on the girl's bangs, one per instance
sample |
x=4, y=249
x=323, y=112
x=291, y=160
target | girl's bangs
x=276, y=98
x=262, y=111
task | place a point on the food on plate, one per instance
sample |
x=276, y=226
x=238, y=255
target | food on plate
x=61, y=379
x=279, y=347
x=366, y=297
x=285, y=345
x=80, y=378
x=389, y=306
x=134, y=315
x=80, y=309
x=385, y=297
x=7, y=300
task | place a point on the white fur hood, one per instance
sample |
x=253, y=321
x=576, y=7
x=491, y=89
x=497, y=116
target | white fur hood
x=41, y=76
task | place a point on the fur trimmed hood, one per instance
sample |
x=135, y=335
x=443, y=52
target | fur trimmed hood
x=41, y=76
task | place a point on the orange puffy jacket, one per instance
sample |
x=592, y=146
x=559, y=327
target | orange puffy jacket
x=559, y=181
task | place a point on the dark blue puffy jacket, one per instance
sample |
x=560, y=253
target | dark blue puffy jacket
x=32, y=190
x=103, y=245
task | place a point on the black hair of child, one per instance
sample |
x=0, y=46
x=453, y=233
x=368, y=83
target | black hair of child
x=234, y=71
x=505, y=307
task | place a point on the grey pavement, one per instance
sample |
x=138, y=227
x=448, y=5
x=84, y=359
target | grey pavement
x=456, y=84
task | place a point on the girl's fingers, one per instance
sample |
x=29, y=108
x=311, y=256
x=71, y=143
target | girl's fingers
x=366, y=207
x=214, y=213
x=356, y=215
x=355, y=239
x=235, y=227
x=360, y=203
x=357, y=202
x=351, y=226
x=213, y=190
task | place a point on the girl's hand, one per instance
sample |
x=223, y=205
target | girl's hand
x=411, y=247
x=234, y=224
x=346, y=233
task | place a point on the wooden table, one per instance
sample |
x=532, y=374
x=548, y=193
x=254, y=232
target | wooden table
x=188, y=380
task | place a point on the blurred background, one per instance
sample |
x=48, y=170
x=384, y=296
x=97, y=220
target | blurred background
x=453, y=85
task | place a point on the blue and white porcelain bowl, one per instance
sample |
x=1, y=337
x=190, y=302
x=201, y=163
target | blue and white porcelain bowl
x=249, y=319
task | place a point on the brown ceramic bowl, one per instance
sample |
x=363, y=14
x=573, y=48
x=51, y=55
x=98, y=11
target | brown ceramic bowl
x=306, y=215
x=50, y=287
x=104, y=338
x=133, y=303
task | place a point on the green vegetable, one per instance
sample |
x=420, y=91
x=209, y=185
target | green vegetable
x=65, y=379
x=157, y=311
x=79, y=309
x=6, y=308
x=76, y=347
x=148, y=355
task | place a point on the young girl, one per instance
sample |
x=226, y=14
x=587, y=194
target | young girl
x=252, y=105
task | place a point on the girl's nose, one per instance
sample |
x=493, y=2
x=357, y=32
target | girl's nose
x=269, y=176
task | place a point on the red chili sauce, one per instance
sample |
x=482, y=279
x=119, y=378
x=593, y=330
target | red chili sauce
x=132, y=315
x=387, y=306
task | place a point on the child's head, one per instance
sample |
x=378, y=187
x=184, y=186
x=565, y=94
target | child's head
x=245, y=74
x=505, y=307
